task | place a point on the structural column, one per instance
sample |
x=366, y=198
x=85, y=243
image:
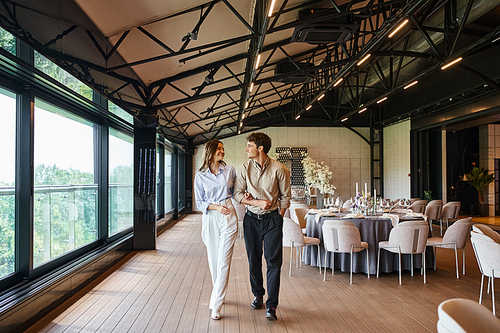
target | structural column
x=145, y=182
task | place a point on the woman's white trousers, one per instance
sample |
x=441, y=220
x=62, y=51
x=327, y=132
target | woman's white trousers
x=219, y=234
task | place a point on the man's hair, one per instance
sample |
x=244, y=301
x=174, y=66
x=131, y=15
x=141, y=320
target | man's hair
x=260, y=139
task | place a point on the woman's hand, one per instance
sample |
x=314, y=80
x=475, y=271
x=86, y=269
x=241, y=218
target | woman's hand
x=223, y=210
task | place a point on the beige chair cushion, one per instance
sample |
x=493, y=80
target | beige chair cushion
x=487, y=231
x=463, y=315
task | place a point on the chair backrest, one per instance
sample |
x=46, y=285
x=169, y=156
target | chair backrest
x=413, y=200
x=291, y=233
x=487, y=231
x=487, y=254
x=450, y=210
x=463, y=315
x=433, y=211
x=339, y=235
x=347, y=204
x=418, y=206
x=436, y=202
x=411, y=236
x=301, y=216
x=458, y=233
x=294, y=206
x=240, y=210
x=457, y=210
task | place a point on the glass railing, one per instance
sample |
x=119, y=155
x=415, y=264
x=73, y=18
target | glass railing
x=7, y=230
x=121, y=207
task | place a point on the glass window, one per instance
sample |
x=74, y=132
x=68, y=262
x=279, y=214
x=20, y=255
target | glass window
x=121, y=181
x=158, y=184
x=7, y=41
x=168, y=181
x=116, y=110
x=7, y=181
x=54, y=71
x=65, y=196
x=182, y=185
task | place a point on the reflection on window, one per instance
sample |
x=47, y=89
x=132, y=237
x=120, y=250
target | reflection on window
x=158, y=180
x=7, y=41
x=121, y=181
x=182, y=185
x=7, y=181
x=65, y=195
x=59, y=74
x=168, y=181
x=116, y=110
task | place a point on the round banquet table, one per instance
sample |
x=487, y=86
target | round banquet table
x=372, y=229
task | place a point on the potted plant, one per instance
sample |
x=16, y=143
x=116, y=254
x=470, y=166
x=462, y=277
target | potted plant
x=479, y=178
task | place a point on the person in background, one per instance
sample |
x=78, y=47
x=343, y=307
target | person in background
x=264, y=185
x=214, y=185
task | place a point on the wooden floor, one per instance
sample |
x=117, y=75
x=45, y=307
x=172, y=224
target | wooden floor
x=168, y=290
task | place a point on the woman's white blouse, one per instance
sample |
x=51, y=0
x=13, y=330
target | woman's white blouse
x=210, y=188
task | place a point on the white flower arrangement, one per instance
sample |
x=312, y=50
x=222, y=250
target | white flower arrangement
x=318, y=175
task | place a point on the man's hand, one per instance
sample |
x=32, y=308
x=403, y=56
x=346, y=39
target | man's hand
x=223, y=210
x=263, y=204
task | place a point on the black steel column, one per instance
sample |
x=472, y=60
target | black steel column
x=145, y=182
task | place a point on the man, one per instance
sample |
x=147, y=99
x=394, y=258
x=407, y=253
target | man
x=263, y=184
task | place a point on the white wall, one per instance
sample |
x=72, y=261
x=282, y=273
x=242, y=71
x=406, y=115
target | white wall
x=347, y=155
x=397, y=160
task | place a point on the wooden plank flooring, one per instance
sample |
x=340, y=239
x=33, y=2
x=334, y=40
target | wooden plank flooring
x=168, y=290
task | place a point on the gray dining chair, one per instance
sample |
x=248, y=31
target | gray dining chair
x=487, y=252
x=408, y=237
x=433, y=211
x=341, y=236
x=300, y=215
x=455, y=238
x=418, y=206
x=294, y=238
x=449, y=212
x=458, y=315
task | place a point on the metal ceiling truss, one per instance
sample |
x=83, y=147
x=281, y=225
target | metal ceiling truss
x=362, y=86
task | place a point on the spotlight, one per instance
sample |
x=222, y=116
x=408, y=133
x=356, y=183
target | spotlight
x=190, y=36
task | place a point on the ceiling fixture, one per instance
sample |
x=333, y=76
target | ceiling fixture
x=239, y=132
x=309, y=107
x=257, y=62
x=338, y=81
x=320, y=97
x=398, y=28
x=241, y=124
x=495, y=40
x=298, y=116
x=243, y=116
x=411, y=84
x=451, y=63
x=381, y=100
x=190, y=36
x=271, y=8
x=362, y=110
x=246, y=104
x=344, y=119
x=251, y=86
x=364, y=59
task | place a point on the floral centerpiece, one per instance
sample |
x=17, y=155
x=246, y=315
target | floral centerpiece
x=318, y=175
x=361, y=201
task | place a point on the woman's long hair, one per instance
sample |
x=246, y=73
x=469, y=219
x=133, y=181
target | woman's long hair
x=209, y=153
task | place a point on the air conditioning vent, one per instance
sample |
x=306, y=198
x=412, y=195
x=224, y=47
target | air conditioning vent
x=334, y=30
x=295, y=76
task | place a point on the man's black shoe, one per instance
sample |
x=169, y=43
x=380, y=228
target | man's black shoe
x=271, y=314
x=257, y=302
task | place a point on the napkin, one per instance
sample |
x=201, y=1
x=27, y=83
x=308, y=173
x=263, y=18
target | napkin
x=319, y=215
x=412, y=214
x=314, y=211
x=394, y=218
x=354, y=216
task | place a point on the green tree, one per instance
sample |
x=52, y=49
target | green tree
x=7, y=41
x=7, y=233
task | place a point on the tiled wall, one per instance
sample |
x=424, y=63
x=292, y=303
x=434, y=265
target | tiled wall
x=347, y=155
x=489, y=150
x=397, y=161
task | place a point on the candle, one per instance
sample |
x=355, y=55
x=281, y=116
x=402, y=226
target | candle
x=366, y=191
x=375, y=194
x=356, y=188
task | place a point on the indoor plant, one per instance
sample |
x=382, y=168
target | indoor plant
x=479, y=178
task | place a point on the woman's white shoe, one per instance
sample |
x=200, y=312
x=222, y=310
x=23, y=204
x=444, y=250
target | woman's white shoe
x=215, y=315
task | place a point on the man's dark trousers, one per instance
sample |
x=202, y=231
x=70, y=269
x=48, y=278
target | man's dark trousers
x=267, y=228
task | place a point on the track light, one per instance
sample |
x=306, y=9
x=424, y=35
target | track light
x=246, y=104
x=320, y=97
x=364, y=59
x=242, y=116
x=251, y=86
x=338, y=81
x=411, y=84
x=362, y=110
x=298, y=116
x=398, y=28
x=451, y=63
x=257, y=62
x=344, y=119
x=271, y=8
x=309, y=107
x=381, y=100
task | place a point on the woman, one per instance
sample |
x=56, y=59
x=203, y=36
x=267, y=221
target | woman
x=213, y=185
